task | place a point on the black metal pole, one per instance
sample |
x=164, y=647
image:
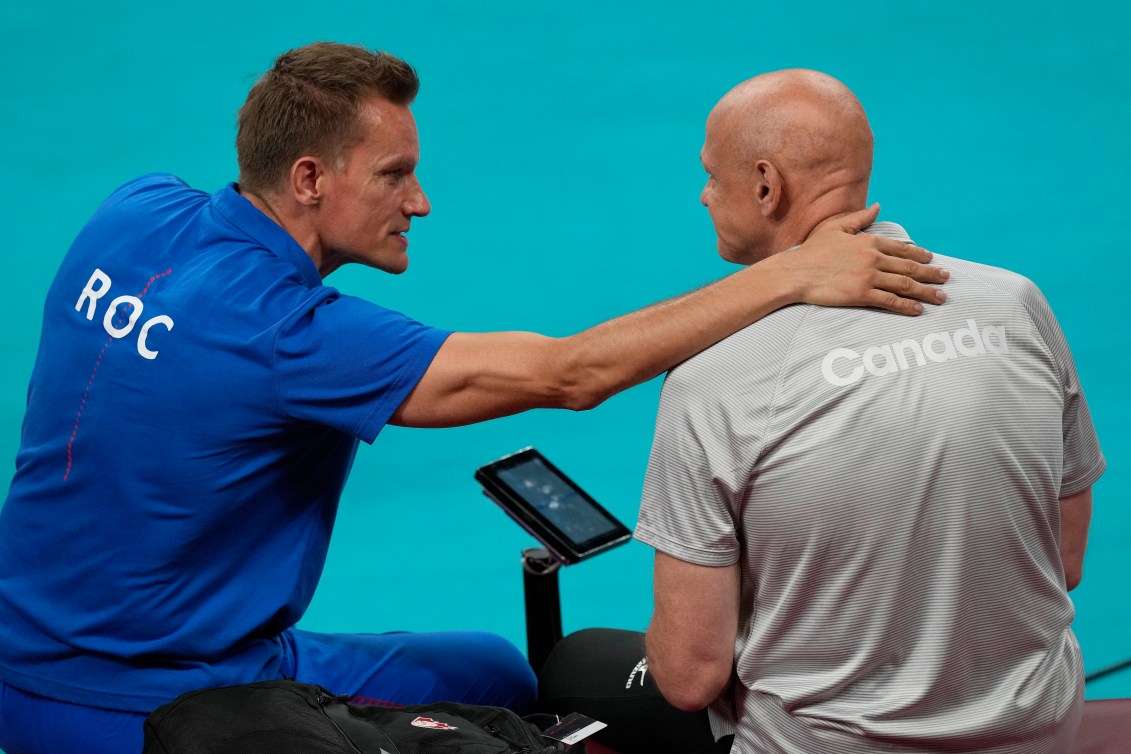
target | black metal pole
x=1096, y=674
x=543, y=604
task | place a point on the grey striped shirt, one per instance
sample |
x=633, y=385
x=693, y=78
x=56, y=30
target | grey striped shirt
x=890, y=487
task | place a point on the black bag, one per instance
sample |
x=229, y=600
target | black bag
x=286, y=717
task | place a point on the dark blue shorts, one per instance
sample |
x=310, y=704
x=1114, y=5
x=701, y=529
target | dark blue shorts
x=379, y=669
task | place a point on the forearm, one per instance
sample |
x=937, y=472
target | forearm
x=834, y=270
x=525, y=370
x=690, y=642
x=688, y=683
x=1075, y=520
x=603, y=360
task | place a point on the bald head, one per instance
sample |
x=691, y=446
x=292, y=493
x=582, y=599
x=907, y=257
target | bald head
x=802, y=141
x=805, y=120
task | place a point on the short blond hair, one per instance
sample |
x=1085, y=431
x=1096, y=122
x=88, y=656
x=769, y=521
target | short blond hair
x=308, y=104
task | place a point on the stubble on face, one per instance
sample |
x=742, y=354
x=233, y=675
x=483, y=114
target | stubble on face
x=372, y=192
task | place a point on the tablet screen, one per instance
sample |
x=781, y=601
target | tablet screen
x=549, y=505
x=558, y=501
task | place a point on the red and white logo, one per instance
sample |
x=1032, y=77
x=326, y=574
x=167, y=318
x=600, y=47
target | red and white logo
x=427, y=722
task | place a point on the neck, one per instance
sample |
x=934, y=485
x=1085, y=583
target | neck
x=807, y=214
x=262, y=203
x=295, y=227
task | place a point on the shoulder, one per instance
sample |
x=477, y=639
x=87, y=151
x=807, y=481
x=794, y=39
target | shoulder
x=150, y=193
x=1012, y=285
x=746, y=362
x=150, y=182
x=1006, y=281
x=323, y=314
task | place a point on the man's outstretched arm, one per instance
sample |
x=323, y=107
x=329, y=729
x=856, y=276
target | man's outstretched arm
x=480, y=376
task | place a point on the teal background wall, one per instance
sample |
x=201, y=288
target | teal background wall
x=560, y=151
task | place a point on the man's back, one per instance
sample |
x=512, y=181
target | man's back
x=891, y=490
x=194, y=410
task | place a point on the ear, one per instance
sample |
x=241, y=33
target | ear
x=768, y=187
x=306, y=180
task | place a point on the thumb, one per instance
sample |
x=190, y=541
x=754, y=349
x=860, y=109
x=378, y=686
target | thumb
x=851, y=222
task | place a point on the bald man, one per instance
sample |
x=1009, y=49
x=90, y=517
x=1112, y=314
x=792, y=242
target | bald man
x=865, y=527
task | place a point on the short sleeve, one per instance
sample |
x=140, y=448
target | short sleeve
x=687, y=508
x=1083, y=461
x=349, y=364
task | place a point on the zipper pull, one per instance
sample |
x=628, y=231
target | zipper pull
x=323, y=698
x=498, y=733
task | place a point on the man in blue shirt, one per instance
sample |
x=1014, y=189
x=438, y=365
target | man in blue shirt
x=199, y=396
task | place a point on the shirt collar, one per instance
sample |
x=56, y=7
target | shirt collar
x=245, y=216
x=883, y=228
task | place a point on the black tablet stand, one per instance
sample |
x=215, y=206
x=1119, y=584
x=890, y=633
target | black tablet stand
x=543, y=604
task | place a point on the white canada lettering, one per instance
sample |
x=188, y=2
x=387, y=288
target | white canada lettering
x=831, y=375
x=843, y=366
x=887, y=367
x=96, y=288
x=916, y=350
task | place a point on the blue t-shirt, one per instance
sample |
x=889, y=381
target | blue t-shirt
x=194, y=410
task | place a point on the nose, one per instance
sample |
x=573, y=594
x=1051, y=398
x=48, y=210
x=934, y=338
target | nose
x=703, y=196
x=417, y=204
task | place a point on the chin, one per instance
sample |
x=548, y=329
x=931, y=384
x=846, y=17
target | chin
x=394, y=264
x=729, y=254
x=393, y=269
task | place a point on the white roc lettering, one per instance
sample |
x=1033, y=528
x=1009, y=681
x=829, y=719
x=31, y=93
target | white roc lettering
x=96, y=288
x=936, y=347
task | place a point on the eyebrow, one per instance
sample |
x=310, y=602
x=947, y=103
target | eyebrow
x=396, y=165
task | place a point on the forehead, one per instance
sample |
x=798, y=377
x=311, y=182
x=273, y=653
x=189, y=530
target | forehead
x=386, y=129
x=716, y=135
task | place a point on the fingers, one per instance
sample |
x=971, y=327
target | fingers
x=878, y=299
x=924, y=273
x=903, y=274
x=907, y=288
x=836, y=268
x=899, y=249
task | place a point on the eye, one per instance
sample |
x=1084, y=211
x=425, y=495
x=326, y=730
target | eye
x=395, y=176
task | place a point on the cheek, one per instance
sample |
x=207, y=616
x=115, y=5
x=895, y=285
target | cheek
x=385, y=210
x=720, y=212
